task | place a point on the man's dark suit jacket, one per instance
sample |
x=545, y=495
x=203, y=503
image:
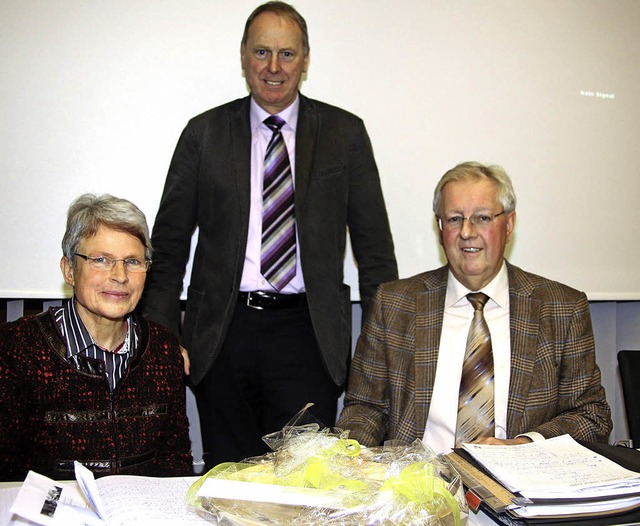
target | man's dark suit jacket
x=555, y=383
x=208, y=186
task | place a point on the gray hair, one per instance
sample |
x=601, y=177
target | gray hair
x=89, y=212
x=470, y=171
x=280, y=9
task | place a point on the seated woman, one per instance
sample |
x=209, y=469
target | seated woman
x=91, y=381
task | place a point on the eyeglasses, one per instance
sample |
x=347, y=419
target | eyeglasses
x=103, y=263
x=480, y=221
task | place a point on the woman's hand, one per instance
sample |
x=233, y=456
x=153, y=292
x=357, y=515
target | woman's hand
x=187, y=363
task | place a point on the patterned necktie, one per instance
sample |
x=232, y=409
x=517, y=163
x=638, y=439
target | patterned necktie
x=278, y=252
x=476, y=403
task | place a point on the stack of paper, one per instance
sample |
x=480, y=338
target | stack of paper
x=115, y=500
x=561, y=477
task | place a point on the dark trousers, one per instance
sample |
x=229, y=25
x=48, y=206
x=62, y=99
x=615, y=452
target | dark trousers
x=268, y=368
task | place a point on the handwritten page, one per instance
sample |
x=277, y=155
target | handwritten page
x=130, y=499
x=555, y=468
x=121, y=499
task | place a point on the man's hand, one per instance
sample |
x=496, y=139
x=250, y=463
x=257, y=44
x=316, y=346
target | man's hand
x=187, y=363
x=504, y=441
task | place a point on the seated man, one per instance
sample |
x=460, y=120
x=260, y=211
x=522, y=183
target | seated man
x=91, y=381
x=533, y=374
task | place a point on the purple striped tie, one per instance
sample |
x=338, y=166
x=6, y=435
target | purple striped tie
x=278, y=253
x=476, y=404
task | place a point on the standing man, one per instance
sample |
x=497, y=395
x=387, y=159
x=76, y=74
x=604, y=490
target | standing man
x=534, y=371
x=273, y=181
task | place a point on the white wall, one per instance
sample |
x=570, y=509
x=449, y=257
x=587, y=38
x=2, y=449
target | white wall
x=93, y=96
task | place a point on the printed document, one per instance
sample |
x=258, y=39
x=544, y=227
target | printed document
x=556, y=468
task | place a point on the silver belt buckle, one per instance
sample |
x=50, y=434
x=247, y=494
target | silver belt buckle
x=249, y=304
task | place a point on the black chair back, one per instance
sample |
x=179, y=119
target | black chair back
x=629, y=364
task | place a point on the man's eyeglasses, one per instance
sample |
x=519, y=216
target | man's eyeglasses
x=107, y=264
x=480, y=221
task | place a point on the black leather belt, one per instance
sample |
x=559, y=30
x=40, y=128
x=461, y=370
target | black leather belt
x=271, y=300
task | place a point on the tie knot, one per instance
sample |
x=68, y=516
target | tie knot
x=478, y=300
x=274, y=122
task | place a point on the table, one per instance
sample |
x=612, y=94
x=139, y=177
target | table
x=626, y=457
x=8, y=492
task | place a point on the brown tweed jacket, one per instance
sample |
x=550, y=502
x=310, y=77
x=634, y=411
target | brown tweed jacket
x=555, y=383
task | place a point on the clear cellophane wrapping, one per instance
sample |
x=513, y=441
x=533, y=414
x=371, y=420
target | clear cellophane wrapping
x=406, y=485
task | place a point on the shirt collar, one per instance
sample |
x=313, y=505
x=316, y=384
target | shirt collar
x=257, y=115
x=77, y=336
x=497, y=289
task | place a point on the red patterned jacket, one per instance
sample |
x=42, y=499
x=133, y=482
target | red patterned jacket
x=51, y=413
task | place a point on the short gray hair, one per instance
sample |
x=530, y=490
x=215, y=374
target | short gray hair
x=89, y=212
x=470, y=171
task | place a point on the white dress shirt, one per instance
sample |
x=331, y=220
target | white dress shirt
x=458, y=313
